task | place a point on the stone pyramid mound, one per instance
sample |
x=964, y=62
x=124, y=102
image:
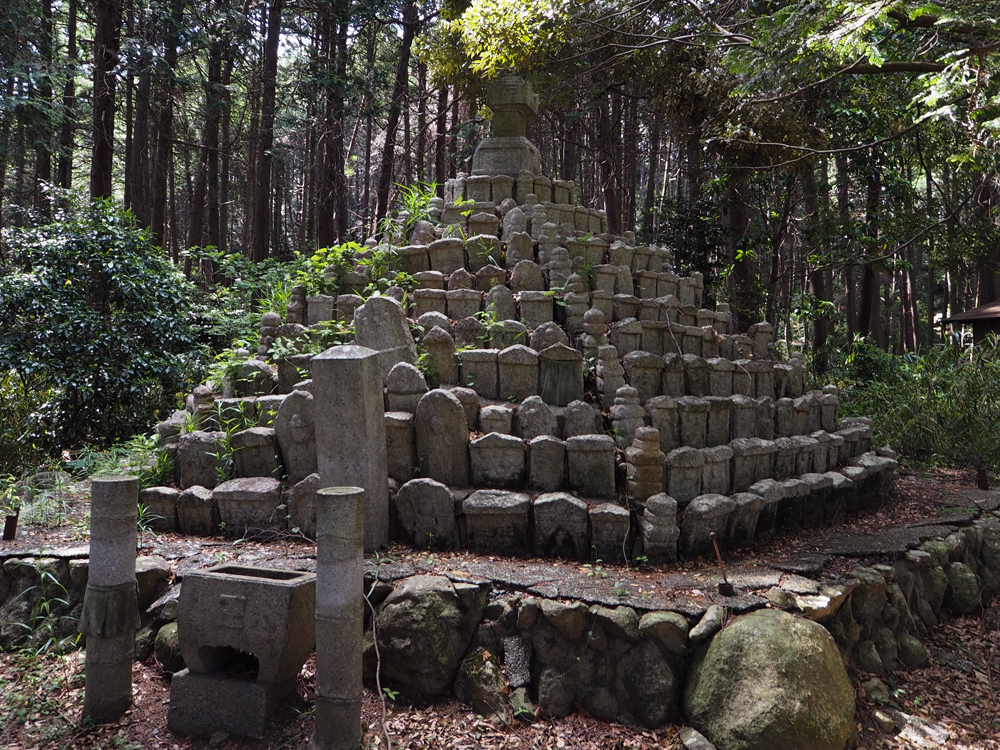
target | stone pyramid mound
x=550, y=390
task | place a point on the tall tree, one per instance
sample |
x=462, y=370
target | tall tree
x=410, y=22
x=106, y=44
x=261, y=218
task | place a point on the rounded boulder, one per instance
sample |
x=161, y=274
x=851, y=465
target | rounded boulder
x=770, y=681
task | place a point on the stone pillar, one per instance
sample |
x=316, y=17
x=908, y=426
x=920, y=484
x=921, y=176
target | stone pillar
x=350, y=431
x=340, y=533
x=110, y=608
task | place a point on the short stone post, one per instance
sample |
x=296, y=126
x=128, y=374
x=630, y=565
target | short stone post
x=350, y=431
x=340, y=531
x=110, y=613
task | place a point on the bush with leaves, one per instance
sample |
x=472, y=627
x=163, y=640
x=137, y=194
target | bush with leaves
x=942, y=406
x=94, y=315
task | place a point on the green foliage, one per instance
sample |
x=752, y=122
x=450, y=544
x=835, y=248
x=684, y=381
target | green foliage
x=10, y=496
x=415, y=200
x=694, y=233
x=18, y=402
x=318, y=338
x=137, y=455
x=325, y=269
x=42, y=629
x=241, y=291
x=942, y=406
x=97, y=318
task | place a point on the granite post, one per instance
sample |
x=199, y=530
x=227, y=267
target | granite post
x=350, y=431
x=340, y=533
x=110, y=607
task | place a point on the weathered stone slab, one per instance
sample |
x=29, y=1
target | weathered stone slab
x=498, y=461
x=562, y=526
x=497, y=522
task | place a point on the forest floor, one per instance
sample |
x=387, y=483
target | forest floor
x=955, y=694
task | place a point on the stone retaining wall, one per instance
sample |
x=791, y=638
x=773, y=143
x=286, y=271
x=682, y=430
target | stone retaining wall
x=621, y=659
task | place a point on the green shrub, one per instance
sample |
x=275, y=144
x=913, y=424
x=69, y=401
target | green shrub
x=19, y=400
x=99, y=321
x=941, y=407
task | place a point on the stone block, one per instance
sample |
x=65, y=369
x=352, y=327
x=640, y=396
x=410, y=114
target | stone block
x=302, y=505
x=792, y=504
x=255, y=453
x=199, y=459
x=527, y=277
x=161, y=507
x=295, y=431
x=692, y=414
x=442, y=435
x=673, y=376
x=581, y=418
x=447, y=254
x=591, y=465
x=482, y=250
x=662, y=413
x=718, y=424
x=463, y=303
x=497, y=522
x=350, y=430
x=644, y=372
x=197, y=513
x=534, y=418
x=400, y=445
x=715, y=474
x=659, y=529
x=696, y=382
x=562, y=526
x=704, y=515
x=496, y=418
x=684, y=470
x=404, y=387
x=498, y=461
x=428, y=301
x=627, y=416
x=426, y=514
x=204, y=704
x=546, y=464
x=479, y=371
x=561, y=375
x=535, y=308
x=440, y=364
x=743, y=521
x=518, y=373
x=609, y=532
x=381, y=325
x=743, y=417
x=249, y=506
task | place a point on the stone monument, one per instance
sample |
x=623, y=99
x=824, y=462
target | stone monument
x=508, y=151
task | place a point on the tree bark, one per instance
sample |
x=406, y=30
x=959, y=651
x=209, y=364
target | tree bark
x=261, y=215
x=608, y=166
x=817, y=277
x=64, y=170
x=441, y=141
x=106, y=41
x=410, y=23
x=43, y=136
x=162, y=162
x=654, y=162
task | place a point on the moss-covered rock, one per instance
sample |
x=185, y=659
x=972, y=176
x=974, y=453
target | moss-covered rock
x=962, y=596
x=168, y=648
x=770, y=680
x=424, y=628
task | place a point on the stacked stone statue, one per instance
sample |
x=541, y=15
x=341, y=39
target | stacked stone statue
x=570, y=395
